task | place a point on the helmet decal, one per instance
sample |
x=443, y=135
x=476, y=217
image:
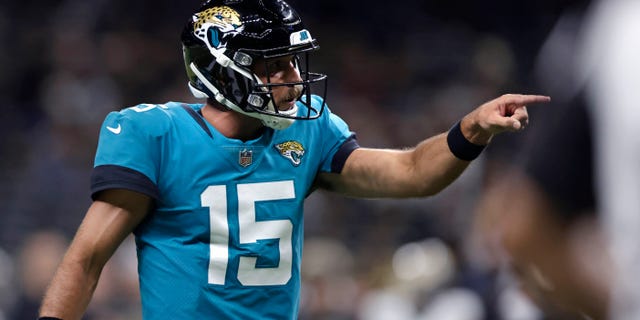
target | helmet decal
x=300, y=37
x=215, y=24
x=292, y=150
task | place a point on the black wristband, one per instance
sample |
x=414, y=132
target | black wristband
x=49, y=318
x=461, y=147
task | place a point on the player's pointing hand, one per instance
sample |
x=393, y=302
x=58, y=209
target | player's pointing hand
x=505, y=113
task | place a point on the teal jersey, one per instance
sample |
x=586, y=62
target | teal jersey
x=224, y=240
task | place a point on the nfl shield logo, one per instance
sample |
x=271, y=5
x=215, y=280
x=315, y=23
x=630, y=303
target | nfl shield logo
x=246, y=157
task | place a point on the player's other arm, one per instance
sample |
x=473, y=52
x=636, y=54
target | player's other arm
x=430, y=166
x=111, y=217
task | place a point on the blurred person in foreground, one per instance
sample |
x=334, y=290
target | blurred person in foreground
x=573, y=236
x=214, y=192
x=611, y=69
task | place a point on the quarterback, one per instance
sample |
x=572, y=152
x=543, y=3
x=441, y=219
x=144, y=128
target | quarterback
x=214, y=192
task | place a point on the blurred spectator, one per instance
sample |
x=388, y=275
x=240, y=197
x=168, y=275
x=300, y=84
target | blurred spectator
x=329, y=286
x=37, y=260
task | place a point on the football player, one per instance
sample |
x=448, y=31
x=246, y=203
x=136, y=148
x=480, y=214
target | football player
x=214, y=192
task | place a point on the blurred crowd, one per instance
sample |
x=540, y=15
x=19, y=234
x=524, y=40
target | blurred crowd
x=398, y=72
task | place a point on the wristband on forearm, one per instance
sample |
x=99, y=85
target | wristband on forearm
x=461, y=147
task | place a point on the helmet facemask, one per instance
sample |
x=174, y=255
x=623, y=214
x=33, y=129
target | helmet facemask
x=221, y=60
x=262, y=100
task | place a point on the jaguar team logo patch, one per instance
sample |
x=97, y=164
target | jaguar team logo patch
x=245, y=157
x=291, y=150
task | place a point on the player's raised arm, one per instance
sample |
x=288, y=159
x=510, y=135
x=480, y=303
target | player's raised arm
x=107, y=223
x=435, y=162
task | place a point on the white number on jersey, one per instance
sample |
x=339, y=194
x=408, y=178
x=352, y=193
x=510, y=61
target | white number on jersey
x=250, y=231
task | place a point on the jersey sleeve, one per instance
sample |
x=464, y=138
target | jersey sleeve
x=128, y=154
x=338, y=141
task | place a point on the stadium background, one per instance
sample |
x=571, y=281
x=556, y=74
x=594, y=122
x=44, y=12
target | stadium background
x=398, y=72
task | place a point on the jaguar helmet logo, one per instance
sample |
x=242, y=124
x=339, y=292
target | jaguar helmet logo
x=291, y=150
x=215, y=25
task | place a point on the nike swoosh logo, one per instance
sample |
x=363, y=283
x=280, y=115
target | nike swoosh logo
x=115, y=130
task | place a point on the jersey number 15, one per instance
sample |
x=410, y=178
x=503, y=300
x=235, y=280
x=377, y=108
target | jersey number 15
x=250, y=231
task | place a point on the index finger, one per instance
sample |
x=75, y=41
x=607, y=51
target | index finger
x=525, y=99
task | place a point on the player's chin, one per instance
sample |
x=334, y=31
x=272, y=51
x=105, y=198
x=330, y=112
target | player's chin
x=286, y=105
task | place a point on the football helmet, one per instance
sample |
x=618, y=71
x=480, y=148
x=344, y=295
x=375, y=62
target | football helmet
x=225, y=39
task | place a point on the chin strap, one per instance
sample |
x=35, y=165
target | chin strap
x=275, y=122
